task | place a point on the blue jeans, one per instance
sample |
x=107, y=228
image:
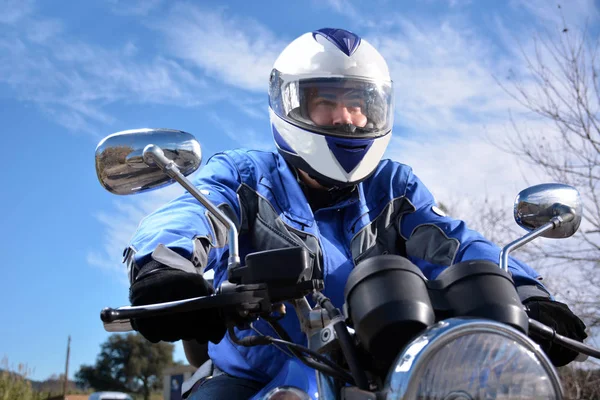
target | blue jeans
x=224, y=386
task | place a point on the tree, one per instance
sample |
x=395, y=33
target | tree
x=127, y=363
x=580, y=383
x=562, y=89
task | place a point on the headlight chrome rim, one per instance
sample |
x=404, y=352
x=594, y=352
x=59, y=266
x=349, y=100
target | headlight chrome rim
x=414, y=358
x=286, y=392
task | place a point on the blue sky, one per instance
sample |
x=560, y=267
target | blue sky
x=73, y=72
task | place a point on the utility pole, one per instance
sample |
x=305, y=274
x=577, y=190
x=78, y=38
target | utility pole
x=66, y=379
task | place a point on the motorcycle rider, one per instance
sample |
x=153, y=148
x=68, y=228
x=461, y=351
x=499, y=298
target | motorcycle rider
x=326, y=188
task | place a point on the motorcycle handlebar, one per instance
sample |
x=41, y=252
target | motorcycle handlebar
x=551, y=334
x=119, y=319
x=117, y=316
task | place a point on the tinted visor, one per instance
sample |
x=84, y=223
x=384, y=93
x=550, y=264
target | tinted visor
x=346, y=107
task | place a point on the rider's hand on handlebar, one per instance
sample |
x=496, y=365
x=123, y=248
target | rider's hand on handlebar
x=559, y=317
x=158, y=283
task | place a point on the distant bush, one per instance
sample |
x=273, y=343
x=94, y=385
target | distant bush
x=14, y=384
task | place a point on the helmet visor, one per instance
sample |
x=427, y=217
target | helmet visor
x=345, y=107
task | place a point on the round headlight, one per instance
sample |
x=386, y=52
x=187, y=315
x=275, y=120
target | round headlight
x=468, y=359
x=286, y=393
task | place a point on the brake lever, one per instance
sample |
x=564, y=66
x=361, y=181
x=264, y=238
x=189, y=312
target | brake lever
x=246, y=297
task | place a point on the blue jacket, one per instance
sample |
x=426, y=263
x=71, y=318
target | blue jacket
x=391, y=210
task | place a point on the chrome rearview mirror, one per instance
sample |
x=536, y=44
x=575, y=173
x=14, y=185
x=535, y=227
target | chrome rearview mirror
x=139, y=160
x=120, y=164
x=537, y=205
x=551, y=210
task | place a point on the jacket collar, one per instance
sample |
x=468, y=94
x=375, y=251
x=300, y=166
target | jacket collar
x=290, y=192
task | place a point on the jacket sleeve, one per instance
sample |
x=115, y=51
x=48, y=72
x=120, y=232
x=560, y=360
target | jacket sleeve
x=182, y=233
x=435, y=241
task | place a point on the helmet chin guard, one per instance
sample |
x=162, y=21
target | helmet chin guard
x=331, y=106
x=331, y=161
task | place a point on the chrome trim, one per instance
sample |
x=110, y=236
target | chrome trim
x=537, y=205
x=411, y=361
x=282, y=392
x=506, y=250
x=551, y=210
x=140, y=160
x=121, y=167
x=154, y=155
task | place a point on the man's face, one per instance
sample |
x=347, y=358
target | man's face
x=335, y=106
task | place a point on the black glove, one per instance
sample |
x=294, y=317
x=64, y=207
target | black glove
x=158, y=283
x=558, y=316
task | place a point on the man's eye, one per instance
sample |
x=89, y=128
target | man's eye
x=325, y=103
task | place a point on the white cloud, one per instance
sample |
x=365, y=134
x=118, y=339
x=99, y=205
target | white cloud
x=14, y=10
x=560, y=14
x=238, y=51
x=343, y=7
x=74, y=81
x=443, y=75
x=472, y=168
x=459, y=3
x=121, y=222
x=137, y=8
x=42, y=30
x=243, y=136
x=254, y=106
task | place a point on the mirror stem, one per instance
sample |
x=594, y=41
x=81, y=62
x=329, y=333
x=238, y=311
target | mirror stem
x=153, y=155
x=553, y=223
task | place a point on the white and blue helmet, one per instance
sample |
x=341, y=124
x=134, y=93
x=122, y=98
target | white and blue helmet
x=331, y=106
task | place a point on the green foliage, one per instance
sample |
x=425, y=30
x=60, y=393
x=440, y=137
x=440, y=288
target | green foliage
x=127, y=363
x=14, y=384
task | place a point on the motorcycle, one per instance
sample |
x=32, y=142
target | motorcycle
x=464, y=335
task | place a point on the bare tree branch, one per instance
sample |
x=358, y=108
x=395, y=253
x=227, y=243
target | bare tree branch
x=559, y=88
